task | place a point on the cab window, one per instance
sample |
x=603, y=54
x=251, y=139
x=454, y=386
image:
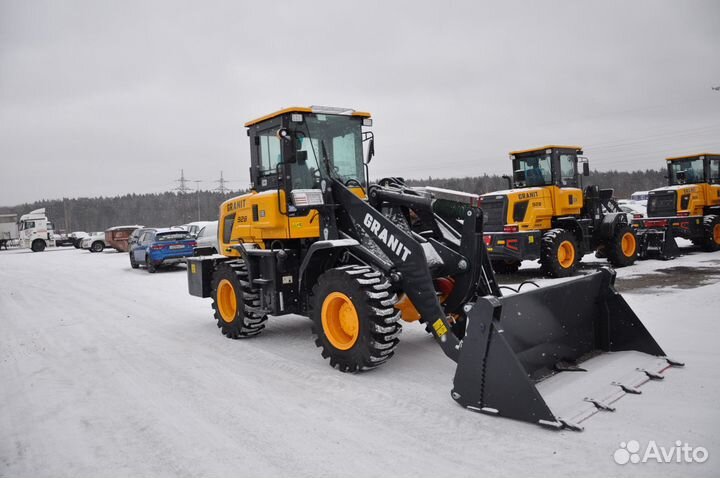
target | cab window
x=537, y=169
x=270, y=155
x=715, y=171
x=693, y=169
x=568, y=172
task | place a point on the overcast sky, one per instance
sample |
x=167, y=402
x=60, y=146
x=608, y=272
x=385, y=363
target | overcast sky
x=105, y=98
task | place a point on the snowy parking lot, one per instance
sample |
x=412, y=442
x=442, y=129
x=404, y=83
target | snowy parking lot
x=110, y=371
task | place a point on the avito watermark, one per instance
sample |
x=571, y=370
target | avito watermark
x=630, y=452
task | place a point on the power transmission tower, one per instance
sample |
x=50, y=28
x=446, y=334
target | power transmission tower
x=183, y=187
x=221, y=187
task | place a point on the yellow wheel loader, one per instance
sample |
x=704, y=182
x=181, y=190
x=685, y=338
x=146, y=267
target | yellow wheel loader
x=546, y=216
x=314, y=237
x=688, y=207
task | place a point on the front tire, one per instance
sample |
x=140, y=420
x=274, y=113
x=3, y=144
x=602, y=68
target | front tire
x=234, y=301
x=38, y=245
x=133, y=262
x=711, y=227
x=559, y=253
x=623, y=247
x=354, y=318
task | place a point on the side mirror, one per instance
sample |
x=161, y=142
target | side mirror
x=681, y=175
x=300, y=157
x=586, y=168
x=519, y=176
x=371, y=150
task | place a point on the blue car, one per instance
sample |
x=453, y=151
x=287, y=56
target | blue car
x=157, y=247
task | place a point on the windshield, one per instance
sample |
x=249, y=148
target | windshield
x=342, y=138
x=537, y=169
x=693, y=171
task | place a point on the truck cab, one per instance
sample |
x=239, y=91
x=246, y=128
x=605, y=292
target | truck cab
x=36, y=231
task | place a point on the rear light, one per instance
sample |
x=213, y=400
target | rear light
x=488, y=240
x=656, y=223
x=637, y=216
x=157, y=248
x=193, y=244
x=511, y=228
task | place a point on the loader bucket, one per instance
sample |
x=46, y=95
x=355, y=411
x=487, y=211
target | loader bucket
x=555, y=356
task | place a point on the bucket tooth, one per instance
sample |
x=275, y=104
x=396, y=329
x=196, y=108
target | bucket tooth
x=600, y=405
x=651, y=374
x=628, y=389
x=674, y=363
x=571, y=425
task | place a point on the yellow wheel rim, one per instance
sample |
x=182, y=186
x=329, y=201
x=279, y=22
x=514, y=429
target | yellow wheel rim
x=566, y=254
x=716, y=233
x=628, y=244
x=340, y=321
x=226, y=300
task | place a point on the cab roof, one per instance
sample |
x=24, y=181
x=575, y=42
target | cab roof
x=330, y=110
x=675, y=158
x=543, y=148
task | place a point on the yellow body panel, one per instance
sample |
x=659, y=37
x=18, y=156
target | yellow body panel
x=271, y=223
x=701, y=195
x=544, y=203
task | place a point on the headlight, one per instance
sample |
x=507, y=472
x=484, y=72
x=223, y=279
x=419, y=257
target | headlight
x=306, y=197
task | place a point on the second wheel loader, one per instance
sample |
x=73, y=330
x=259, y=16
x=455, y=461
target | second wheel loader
x=314, y=238
x=688, y=207
x=546, y=216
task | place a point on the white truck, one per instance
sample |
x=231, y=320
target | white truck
x=8, y=230
x=36, y=232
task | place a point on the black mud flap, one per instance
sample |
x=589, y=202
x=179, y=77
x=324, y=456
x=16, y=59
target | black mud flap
x=555, y=356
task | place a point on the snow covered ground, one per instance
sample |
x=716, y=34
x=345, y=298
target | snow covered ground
x=109, y=371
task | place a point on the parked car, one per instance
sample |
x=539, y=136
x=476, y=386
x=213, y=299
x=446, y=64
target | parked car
x=94, y=242
x=194, y=227
x=135, y=236
x=640, y=197
x=159, y=247
x=635, y=208
x=207, y=237
x=77, y=237
x=117, y=237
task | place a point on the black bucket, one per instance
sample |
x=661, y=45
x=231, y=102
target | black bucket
x=555, y=355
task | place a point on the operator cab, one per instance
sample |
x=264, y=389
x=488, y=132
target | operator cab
x=294, y=149
x=696, y=169
x=548, y=166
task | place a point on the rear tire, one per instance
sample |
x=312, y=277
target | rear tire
x=559, y=253
x=354, y=318
x=38, y=245
x=234, y=300
x=505, y=267
x=623, y=247
x=150, y=265
x=97, y=246
x=711, y=227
